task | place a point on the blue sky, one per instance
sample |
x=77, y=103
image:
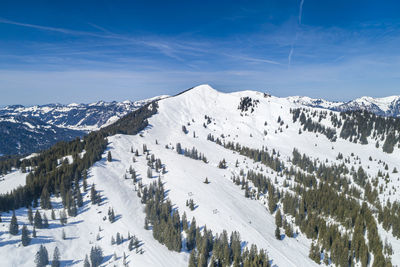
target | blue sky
x=83, y=51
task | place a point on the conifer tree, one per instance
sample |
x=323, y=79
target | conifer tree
x=315, y=253
x=34, y=232
x=96, y=256
x=278, y=233
x=45, y=221
x=30, y=215
x=79, y=200
x=94, y=195
x=111, y=215
x=42, y=257
x=45, y=202
x=278, y=218
x=86, y=262
x=118, y=239
x=191, y=235
x=13, y=229
x=56, y=258
x=25, y=238
x=149, y=173
x=184, y=222
x=109, y=157
x=178, y=148
x=63, y=217
x=84, y=182
x=222, y=164
x=37, y=220
x=130, y=246
x=192, y=259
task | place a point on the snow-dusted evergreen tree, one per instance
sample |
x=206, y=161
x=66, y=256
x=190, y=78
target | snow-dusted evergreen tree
x=56, y=258
x=45, y=202
x=149, y=173
x=278, y=218
x=278, y=233
x=118, y=239
x=84, y=181
x=30, y=215
x=86, y=262
x=178, y=148
x=94, y=195
x=96, y=256
x=37, y=220
x=78, y=195
x=13, y=229
x=25, y=238
x=42, y=257
x=111, y=215
x=109, y=157
x=45, y=221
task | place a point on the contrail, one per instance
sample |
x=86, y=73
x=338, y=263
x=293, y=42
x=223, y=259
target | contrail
x=290, y=56
x=295, y=40
x=301, y=10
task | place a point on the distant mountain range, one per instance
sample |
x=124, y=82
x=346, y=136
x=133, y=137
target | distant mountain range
x=25, y=130
x=385, y=106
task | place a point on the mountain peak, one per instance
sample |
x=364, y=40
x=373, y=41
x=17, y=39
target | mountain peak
x=200, y=89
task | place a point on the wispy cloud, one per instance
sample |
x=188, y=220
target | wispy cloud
x=163, y=47
x=52, y=29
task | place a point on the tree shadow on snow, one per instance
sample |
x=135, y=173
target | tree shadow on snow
x=107, y=258
x=76, y=222
x=69, y=262
x=9, y=242
x=71, y=238
x=41, y=240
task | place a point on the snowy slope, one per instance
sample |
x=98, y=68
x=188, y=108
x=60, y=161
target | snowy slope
x=11, y=181
x=221, y=205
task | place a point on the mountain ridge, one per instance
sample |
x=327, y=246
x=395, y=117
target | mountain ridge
x=75, y=119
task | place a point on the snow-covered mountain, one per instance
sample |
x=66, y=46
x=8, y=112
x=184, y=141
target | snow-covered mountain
x=243, y=161
x=24, y=134
x=385, y=106
x=69, y=121
x=30, y=129
x=85, y=117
